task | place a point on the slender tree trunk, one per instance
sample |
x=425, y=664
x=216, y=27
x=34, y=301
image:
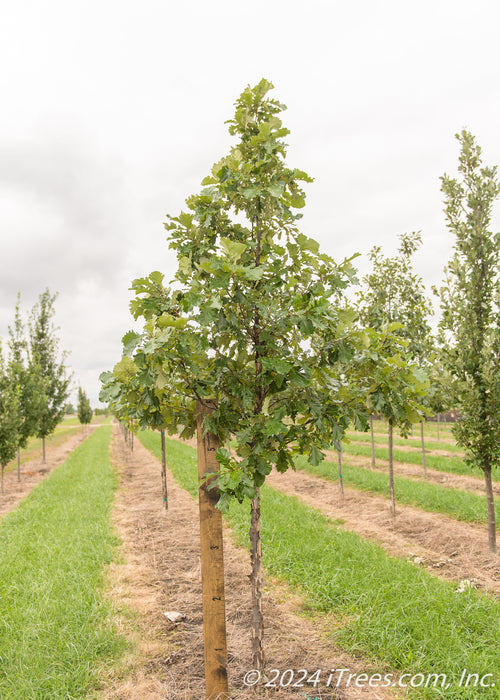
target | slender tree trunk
x=438, y=422
x=391, y=473
x=257, y=584
x=3, y=467
x=19, y=464
x=341, y=478
x=422, y=440
x=164, y=471
x=43, y=449
x=131, y=441
x=373, y=440
x=492, y=534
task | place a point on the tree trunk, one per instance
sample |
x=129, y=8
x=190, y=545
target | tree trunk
x=438, y=422
x=492, y=534
x=422, y=440
x=257, y=585
x=164, y=471
x=18, y=464
x=1, y=489
x=341, y=478
x=373, y=441
x=391, y=473
x=43, y=450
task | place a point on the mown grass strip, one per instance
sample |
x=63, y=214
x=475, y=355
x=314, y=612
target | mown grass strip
x=430, y=429
x=34, y=447
x=461, y=505
x=54, y=623
x=450, y=465
x=62, y=433
x=414, y=443
x=389, y=610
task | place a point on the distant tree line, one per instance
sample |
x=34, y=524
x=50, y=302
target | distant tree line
x=34, y=381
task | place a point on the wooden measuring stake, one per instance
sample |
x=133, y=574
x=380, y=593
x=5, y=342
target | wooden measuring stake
x=164, y=471
x=212, y=567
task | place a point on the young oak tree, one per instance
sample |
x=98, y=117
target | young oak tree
x=27, y=376
x=394, y=297
x=84, y=409
x=390, y=383
x=44, y=352
x=470, y=323
x=9, y=415
x=133, y=390
x=235, y=331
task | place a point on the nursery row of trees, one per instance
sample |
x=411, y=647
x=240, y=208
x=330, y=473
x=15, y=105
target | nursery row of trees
x=259, y=328
x=34, y=381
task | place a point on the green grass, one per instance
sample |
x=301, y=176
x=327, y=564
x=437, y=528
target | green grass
x=461, y=505
x=430, y=429
x=54, y=624
x=390, y=611
x=413, y=442
x=451, y=465
x=70, y=426
x=34, y=448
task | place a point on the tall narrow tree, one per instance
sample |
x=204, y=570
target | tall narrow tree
x=9, y=416
x=27, y=376
x=394, y=296
x=470, y=323
x=44, y=348
x=84, y=410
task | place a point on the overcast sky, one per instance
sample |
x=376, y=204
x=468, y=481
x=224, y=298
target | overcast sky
x=113, y=111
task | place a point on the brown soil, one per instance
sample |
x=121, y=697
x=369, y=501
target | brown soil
x=414, y=471
x=160, y=572
x=446, y=547
x=34, y=471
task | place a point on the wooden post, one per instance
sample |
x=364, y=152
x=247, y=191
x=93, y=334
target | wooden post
x=391, y=472
x=422, y=441
x=373, y=440
x=212, y=567
x=341, y=478
x=164, y=471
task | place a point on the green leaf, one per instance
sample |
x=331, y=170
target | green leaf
x=274, y=426
x=315, y=456
x=297, y=201
x=306, y=243
x=282, y=367
x=276, y=190
x=130, y=341
x=157, y=278
x=251, y=192
x=253, y=273
x=234, y=249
